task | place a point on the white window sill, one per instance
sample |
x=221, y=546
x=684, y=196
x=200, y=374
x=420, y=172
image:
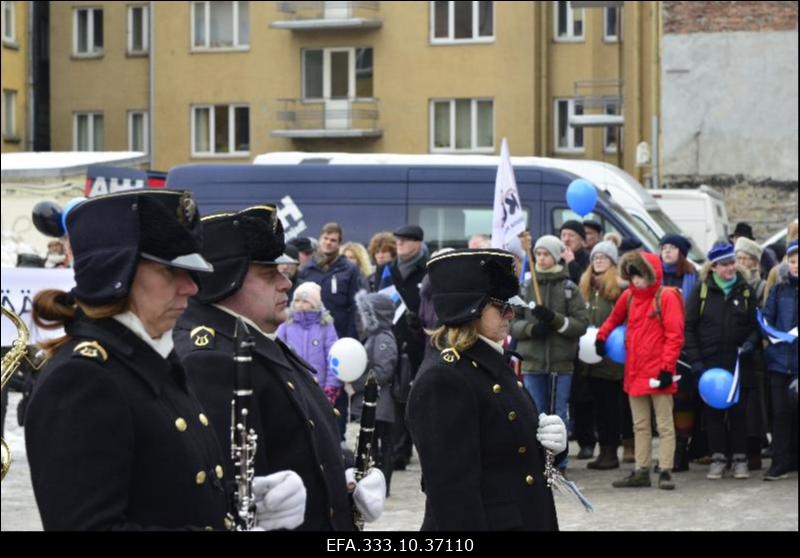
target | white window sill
x=137, y=53
x=212, y=50
x=463, y=151
x=12, y=138
x=610, y=151
x=453, y=42
x=87, y=55
x=10, y=43
x=610, y=40
x=236, y=155
x=569, y=40
x=570, y=150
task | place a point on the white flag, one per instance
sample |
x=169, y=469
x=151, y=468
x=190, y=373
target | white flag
x=508, y=220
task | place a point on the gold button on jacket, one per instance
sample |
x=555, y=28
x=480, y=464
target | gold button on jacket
x=180, y=424
x=203, y=419
x=522, y=450
x=201, y=477
x=529, y=479
x=291, y=385
x=219, y=472
x=512, y=416
x=496, y=388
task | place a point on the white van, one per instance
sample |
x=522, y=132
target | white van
x=700, y=212
x=648, y=218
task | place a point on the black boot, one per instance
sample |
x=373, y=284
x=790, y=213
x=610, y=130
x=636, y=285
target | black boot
x=606, y=460
x=681, y=455
x=586, y=452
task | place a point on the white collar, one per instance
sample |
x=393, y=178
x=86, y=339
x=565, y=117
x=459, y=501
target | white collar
x=494, y=344
x=248, y=321
x=163, y=345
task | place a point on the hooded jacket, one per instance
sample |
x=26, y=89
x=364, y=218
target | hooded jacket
x=375, y=314
x=652, y=342
x=311, y=335
x=780, y=311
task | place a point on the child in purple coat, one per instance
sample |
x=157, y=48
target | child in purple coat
x=309, y=331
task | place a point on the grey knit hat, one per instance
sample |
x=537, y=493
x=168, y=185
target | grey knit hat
x=552, y=244
x=608, y=248
x=748, y=246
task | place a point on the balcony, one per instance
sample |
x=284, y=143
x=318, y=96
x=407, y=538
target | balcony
x=602, y=99
x=308, y=16
x=328, y=118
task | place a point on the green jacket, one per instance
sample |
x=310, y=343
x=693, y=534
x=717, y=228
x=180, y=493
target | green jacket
x=598, y=309
x=557, y=351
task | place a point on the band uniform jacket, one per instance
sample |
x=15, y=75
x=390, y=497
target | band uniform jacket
x=117, y=440
x=474, y=426
x=294, y=421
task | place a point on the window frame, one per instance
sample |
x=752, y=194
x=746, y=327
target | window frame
x=352, y=79
x=236, y=47
x=473, y=125
x=570, y=130
x=10, y=131
x=231, y=154
x=612, y=38
x=11, y=6
x=145, y=130
x=91, y=52
x=612, y=151
x=451, y=17
x=92, y=116
x=570, y=37
x=145, y=30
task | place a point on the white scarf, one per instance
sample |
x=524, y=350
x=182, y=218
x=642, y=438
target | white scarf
x=163, y=345
x=494, y=344
x=248, y=321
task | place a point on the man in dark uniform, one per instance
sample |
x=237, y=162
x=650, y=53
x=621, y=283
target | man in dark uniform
x=406, y=273
x=295, y=422
x=479, y=434
x=115, y=437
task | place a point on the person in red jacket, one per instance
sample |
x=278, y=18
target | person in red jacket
x=653, y=341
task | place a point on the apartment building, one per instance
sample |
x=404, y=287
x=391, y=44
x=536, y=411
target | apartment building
x=14, y=75
x=225, y=81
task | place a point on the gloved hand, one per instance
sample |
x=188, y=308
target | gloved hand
x=664, y=379
x=369, y=494
x=552, y=433
x=332, y=393
x=746, y=349
x=543, y=313
x=540, y=330
x=280, y=500
x=698, y=368
x=600, y=347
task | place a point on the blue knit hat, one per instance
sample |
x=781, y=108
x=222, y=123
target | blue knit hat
x=720, y=252
x=678, y=241
x=792, y=248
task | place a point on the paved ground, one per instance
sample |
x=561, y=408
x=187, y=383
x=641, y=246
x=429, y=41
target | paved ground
x=696, y=505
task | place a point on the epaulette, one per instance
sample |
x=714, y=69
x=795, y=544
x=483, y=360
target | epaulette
x=90, y=349
x=203, y=337
x=450, y=355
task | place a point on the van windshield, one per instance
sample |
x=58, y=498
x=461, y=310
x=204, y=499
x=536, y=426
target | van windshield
x=670, y=227
x=451, y=227
x=648, y=237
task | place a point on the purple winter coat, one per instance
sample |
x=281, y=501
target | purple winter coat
x=311, y=334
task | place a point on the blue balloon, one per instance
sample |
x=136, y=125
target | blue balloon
x=71, y=204
x=581, y=196
x=615, y=345
x=715, y=385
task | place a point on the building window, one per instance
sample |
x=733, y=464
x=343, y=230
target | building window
x=337, y=73
x=568, y=22
x=612, y=136
x=9, y=114
x=9, y=23
x=220, y=25
x=611, y=24
x=221, y=130
x=88, y=32
x=462, y=125
x=88, y=131
x=137, y=131
x=568, y=139
x=137, y=30
x=454, y=22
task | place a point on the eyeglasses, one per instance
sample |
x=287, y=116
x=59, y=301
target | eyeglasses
x=503, y=306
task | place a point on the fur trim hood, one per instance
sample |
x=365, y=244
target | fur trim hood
x=649, y=266
x=376, y=311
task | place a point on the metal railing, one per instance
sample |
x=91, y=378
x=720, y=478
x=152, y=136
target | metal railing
x=353, y=117
x=596, y=94
x=329, y=10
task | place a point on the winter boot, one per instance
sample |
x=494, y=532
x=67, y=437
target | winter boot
x=628, y=456
x=606, y=460
x=637, y=478
x=717, y=467
x=681, y=455
x=740, y=466
x=665, y=481
x=586, y=452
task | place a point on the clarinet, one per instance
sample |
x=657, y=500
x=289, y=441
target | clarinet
x=366, y=436
x=243, y=439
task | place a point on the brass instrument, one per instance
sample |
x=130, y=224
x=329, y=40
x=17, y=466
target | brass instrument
x=11, y=361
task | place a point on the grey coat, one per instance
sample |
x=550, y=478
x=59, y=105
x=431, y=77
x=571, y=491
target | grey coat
x=374, y=318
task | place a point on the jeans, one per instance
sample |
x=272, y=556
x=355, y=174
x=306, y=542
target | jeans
x=539, y=386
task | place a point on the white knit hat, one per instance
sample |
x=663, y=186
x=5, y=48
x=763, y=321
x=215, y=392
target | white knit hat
x=748, y=246
x=310, y=292
x=552, y=244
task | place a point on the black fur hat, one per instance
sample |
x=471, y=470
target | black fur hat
x=462, y=281
x=233, y=242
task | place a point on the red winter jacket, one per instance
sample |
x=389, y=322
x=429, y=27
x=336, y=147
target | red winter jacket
x=652, y=343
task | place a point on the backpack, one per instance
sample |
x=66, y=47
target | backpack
x=657, y=302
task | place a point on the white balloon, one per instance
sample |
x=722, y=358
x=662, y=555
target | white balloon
x=586, y=350
x=348, y=359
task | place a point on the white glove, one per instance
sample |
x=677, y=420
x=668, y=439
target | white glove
x=552, y=433
x=280, y=500
x=370, y=494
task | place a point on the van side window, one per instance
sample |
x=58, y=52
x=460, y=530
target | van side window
x=448, y=226
x=561, y=215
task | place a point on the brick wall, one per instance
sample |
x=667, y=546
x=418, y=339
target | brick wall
x=716, y=17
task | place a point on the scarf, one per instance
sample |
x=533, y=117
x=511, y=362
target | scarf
x=406, y=267
x=325, y=261
x=163, y=345
x=558, y=268
x=726, y=286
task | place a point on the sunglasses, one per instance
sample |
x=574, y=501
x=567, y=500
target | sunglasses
x=503, y=306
